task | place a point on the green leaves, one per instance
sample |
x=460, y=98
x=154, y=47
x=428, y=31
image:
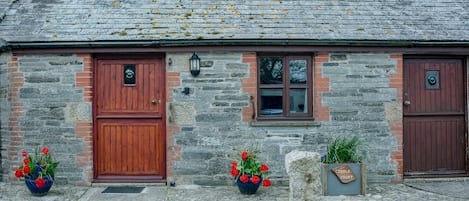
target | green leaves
x=343, y=149
x=37, y=165
x=249, y=165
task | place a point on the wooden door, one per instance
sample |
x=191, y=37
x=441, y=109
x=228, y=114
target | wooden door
x=129, y=140
x=434, y=117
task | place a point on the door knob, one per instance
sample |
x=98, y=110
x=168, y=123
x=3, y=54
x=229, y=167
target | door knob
x=154, y=101
x=406, y=103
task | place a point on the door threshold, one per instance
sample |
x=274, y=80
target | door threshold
x=439, y=179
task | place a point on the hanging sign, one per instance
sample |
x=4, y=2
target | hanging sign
x=344, y=174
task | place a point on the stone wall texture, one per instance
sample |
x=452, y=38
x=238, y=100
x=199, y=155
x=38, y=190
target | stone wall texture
x=354, y=91
x=4, y=114
x=46, y=99
x=43, y=104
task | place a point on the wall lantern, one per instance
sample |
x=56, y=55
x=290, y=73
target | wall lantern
x=194, y=65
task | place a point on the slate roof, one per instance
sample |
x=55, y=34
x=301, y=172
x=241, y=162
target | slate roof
x=102, y=20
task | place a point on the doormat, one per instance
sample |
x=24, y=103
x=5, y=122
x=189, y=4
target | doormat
x=123, y=189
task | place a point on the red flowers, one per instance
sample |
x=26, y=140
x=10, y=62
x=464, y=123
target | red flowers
x=244, y=178
x=234, y=172
x=244, y=155
x=266, y=183
x=255, y=179
x=18, y=173
x=37, y=165
x=40, y=182
x=248, y=170
x=45, y=150
x=26, y=169
x=234, y=169
x=264, y=168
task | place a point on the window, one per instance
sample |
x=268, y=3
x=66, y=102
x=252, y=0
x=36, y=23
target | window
x=285, y=87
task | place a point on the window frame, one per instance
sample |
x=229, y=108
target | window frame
x=286, y=87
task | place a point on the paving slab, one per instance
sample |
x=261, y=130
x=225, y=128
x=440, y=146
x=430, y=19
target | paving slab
x=452, y=191
x=225, y=193
x=17, y=192
x=458, y=189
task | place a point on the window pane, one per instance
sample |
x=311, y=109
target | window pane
x=298, y=69
x=298, y=101
x=271, y=70
x=271, y=102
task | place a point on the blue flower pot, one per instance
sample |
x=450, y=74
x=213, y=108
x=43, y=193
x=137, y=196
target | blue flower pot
x=31, y=184
x=248, y=187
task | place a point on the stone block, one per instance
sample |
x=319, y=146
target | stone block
x=330, y=64
x=183, y=113
x=218, y=166
x=303, y=169
x=199, y=155
x=393, y=111
x=215, y=117
x=338, y=57
x=41, y=79
x=179, y=61
x=29, y=93
x=206, y=64
x=78, y=112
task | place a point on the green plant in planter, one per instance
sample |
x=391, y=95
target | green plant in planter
x=343, y=172
x=343, y=149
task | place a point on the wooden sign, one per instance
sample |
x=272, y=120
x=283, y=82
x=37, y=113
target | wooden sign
x=344, y=174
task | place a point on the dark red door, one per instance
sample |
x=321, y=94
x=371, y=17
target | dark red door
x=129, y=141
x=434, y=117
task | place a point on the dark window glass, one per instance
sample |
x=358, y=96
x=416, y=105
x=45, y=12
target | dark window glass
x=298, y=101
x=298, y=73
x=271, y=101
x=271, y=70
x=285, y=87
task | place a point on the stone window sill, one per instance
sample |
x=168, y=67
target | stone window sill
x=285, y=124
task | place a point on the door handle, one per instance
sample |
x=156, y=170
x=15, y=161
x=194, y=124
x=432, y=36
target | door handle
x=407, y=103
x=154, y=101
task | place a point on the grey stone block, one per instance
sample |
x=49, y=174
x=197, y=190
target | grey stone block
x=303, y=169
x=330, y=64
x=338, y=57
x=217, y=117
x=30, y=93
x=41, y=79
x=199, y=155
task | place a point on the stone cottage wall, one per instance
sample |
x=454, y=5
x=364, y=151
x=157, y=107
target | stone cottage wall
x=4, y=113
x=44, y=105
x=354, y=95
x=46, y=100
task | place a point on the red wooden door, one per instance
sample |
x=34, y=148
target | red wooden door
x=434, y=117
x=129, y=142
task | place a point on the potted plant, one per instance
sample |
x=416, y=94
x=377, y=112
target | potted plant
x=342, y=170
x=38, y=170
x=248, y=173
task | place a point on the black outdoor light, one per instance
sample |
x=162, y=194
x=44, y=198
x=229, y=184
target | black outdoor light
x=194, y=65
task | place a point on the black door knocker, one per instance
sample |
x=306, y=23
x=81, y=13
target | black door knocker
x=432, y=80
x=129, y=74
